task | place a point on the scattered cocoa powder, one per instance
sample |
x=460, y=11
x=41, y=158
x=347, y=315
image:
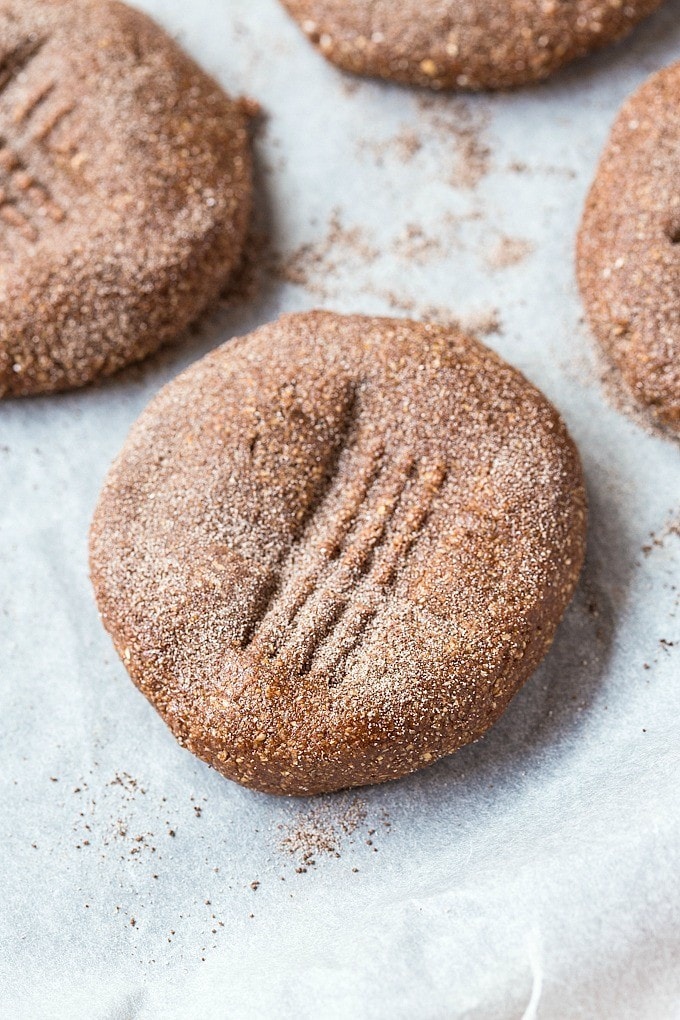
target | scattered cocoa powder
x=324, y=830
x=658, y=539
x=480, y=324
x=403, y=146
x=508, y=252
x=449, y=130
x=416, y=244
x=313, y=265
x=518, y=167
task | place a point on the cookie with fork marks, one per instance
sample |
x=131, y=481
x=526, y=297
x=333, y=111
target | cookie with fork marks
x=331, y=552
x=125, y=189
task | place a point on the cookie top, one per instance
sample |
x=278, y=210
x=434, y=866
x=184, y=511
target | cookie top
x=125, y=187
x=464, y=44
x=332, y=551
x=629, y=247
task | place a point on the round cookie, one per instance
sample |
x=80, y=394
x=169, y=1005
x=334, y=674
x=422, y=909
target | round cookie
x=125, y=189
x=464, y=44
x=332, y=551
x=628, y=253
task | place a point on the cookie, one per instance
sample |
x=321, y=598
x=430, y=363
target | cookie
x=628, y=252
x=332, y=551
x=125, y=188
x=464, y=44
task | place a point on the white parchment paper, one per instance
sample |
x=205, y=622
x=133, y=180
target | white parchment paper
x=532, y=875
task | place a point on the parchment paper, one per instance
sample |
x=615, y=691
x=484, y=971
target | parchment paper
x=534, y=874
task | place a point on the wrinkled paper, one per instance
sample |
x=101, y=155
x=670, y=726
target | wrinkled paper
x=534, y=874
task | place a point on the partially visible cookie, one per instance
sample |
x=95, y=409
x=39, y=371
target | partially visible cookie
x=629, y=247
x=464, y=44
x=125, y=189
x=332, y=551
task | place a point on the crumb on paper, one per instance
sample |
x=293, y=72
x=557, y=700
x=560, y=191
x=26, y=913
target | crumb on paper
x=509, y=252
x=327, y=830
x=448, y=130
x=314, y=264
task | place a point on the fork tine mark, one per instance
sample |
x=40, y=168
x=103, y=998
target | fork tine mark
x=265, y=595
x=323, y=612
x=407, y=525
x=17, y=60
x=354, y=559
x=346, y=637
x=370, y=535
x=289, y=598
x=33, y=102
x=55, y=118
x=23, y=198
x=347, y=558
x=21, y=188
x=11, y=215
x=22, y=179
x=46, y=203
x=304, y=651
x=410, y=527
x=9, y=161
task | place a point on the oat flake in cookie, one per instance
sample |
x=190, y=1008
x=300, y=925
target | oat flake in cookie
x=125, y=186
x=464, y=44
x=331, y=552
x=629, y=247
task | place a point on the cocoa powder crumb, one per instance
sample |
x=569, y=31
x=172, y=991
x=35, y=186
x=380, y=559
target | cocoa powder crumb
x=658, y=539
x=451, y=130
x=322, y=831
x=508, y=252
x=312, y=264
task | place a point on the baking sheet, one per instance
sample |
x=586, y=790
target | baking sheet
x=534, y=874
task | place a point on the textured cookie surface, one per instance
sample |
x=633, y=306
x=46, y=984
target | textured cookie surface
x=124, y=190
x=467, y=44
x=331, y=552
x=629, y=247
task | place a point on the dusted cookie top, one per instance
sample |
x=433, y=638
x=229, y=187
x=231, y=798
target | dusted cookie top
x=331, y=552
x=629, y=247
x=124, y=190
x=466, y=44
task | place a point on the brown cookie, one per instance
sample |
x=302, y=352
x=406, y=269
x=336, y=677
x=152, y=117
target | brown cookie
x=125, y=186
x=629, y=247
x=464, y=44
x=332, y=551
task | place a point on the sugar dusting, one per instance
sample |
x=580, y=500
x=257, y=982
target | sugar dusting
x=125, y=196
x=439, y=45
x=320, y=578
x=628, y=249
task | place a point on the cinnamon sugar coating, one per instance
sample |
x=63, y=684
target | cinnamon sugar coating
x=629, y=247
x=125, y=186
x=464, y=44
x=332, y=551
